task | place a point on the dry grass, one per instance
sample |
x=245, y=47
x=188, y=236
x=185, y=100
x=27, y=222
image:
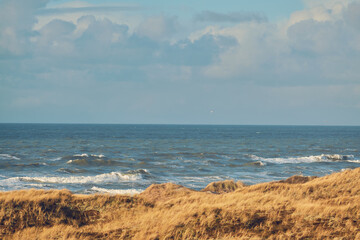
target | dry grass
x=298, y=208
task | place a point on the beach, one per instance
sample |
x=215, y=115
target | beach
x=179, y=119
x=297, y=208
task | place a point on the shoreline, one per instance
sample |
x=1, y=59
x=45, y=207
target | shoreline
x=298, y=207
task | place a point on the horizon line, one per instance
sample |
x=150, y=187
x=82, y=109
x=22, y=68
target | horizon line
x=185, y=124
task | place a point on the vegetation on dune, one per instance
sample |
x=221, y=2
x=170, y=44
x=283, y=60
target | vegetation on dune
x=223, y=186
x=296, y=208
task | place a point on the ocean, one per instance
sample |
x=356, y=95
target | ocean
x=115, y=158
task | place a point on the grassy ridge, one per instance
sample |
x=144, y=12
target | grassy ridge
x=298, y=208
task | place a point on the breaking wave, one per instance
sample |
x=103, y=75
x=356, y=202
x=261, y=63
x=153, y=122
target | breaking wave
x=84, y=156
x=115, y=191
x=85, y=159
x=308, y=159
x=67, y=170
x=97, y=161
x=354, y=161
x=91, y=155
x=257, y=163
x=8, y=156
x=112, y=177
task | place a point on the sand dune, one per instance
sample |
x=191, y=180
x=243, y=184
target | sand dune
x=298, y=208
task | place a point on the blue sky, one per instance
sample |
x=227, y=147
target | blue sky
x=180, y=62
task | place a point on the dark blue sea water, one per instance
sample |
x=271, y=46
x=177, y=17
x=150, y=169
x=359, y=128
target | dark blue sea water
x=128, y=158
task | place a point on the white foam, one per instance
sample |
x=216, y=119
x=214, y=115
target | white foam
x=354, y=161
x=307, y=159
x=85, y=155
x=139, y=171
x=116, y=191
x=102, y=178
x=337, y=157
x=9, y=181
x=259, y=163
x=81, y=155
x=203, y=179
x=15, y=184
x=35, y=185
x=8, y=156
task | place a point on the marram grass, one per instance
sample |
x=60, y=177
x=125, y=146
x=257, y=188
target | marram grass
x=298, y=208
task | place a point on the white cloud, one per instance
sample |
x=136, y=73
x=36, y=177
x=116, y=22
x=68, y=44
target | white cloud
x=319, y=14
x=259, y=47
x=320, y=46
x=16, y=21
x=158, y=28
x=322, y=35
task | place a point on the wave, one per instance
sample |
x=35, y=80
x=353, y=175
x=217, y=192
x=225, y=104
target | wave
x=354, y=161
x=203, y=179
x=22, y=165
x=67, y=170
x=307, y=159
x=351, y=149
x=115, y=191
x=8, y=156
x=85, y=159
x=257, y=163
x=31, y=165
x=83, y=156
x=112, y=177
x=85, y=162
x=91, y=155
x=141, y=171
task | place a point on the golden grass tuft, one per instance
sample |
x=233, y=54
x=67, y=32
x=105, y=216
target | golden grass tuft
x=296, y=208
x=165, y=191
x=297, y=179
x=223, y=186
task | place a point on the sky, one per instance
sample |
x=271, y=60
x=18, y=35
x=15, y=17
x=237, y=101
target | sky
x=254, y=62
